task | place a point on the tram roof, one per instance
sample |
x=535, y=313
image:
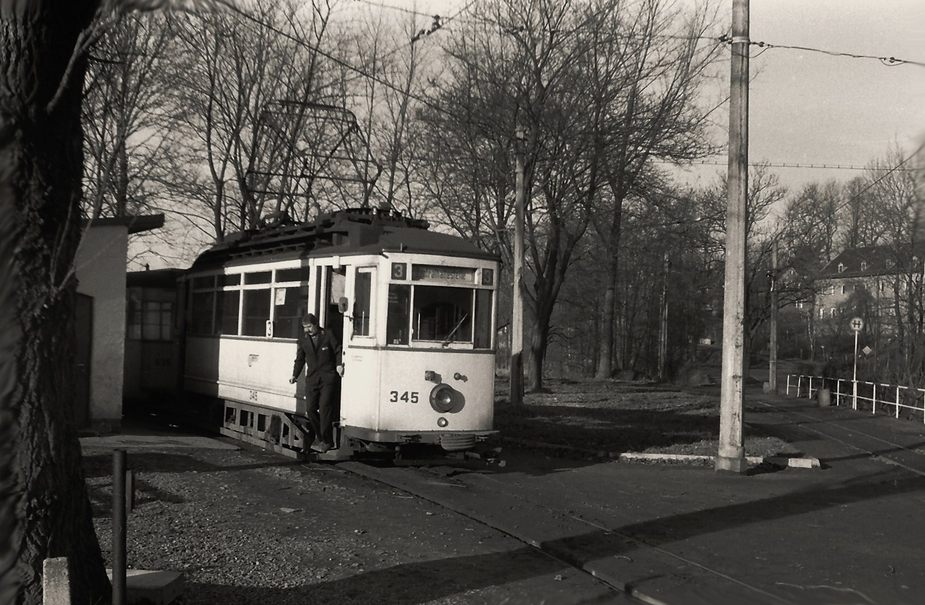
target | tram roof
x=346, y=232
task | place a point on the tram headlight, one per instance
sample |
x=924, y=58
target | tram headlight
x=442, y=422
x=442, y=398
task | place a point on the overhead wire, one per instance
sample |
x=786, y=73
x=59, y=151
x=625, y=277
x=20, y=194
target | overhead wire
x=329, y=56
x=789, y=165
x=891, y=61
x=887, y=173
x=888, y=61
x=400, y=9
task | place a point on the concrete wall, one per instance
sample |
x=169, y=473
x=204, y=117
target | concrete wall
x=101, y=274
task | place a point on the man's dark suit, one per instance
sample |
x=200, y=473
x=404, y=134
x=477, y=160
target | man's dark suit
x=320, y=357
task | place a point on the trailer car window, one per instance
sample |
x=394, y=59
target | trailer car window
x=157, y=321
x=148, y=320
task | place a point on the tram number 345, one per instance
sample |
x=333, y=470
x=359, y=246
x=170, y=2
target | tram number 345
x=406, y=396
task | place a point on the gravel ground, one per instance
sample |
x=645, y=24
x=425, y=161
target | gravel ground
x=246, y=526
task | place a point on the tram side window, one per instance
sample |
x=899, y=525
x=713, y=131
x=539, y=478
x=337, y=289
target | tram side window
x=397, y=324
x=202, y=311
x=290, y=304
x=362, y=303
x=482, y=319
x=227, y=305
x=442, y=313
x=256, y=312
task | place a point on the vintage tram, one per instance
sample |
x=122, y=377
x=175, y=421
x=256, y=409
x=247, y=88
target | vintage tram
x=414, y=310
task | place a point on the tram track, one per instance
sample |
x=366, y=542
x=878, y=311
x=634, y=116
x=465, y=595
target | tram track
x=618, y=560
x=860, y=441
x=597, y=538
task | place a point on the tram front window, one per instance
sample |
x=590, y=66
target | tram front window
x=442, y=314
x=439, y=314
x=396, y=331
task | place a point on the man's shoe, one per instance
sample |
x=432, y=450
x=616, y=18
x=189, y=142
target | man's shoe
x=320, y=446
x=325, y=447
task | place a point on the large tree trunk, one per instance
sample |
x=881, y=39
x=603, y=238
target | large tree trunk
x=41, y=151
x=604, y=368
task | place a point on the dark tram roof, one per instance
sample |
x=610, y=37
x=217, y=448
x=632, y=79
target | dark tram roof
x=157, y=278
x=345, y=232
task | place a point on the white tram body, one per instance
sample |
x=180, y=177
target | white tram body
x=414, y=310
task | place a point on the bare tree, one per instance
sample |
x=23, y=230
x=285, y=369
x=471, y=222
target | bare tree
x=893, y=190
x=861, y=220
x=124, y=95
x=652, y=62
x=395, y=57
x=764, y=193
x=518, y=69
x=253, y=101
x=44, y=506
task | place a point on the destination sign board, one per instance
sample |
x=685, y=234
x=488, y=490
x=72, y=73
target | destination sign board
x=442, y=273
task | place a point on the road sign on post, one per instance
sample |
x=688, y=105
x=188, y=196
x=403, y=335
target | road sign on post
x=857, y=324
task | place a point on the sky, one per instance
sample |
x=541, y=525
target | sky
x=808, y=107
x=805, y=107
x=811, y=108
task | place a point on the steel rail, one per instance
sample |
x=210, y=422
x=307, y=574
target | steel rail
x=623, y=589
x=878, y=455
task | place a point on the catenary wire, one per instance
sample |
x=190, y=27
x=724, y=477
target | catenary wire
x=721, y=39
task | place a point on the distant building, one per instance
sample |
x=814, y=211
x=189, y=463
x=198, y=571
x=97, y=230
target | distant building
x=870, y=282
x=100, y=269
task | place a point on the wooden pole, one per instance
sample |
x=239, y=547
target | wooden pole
x=772, y=364
x=118, y=527
x=731, y=454
x=517, y=313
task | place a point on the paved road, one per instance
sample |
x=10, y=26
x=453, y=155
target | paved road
x=850, y=532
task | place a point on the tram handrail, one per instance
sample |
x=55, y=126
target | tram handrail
x=867, y=393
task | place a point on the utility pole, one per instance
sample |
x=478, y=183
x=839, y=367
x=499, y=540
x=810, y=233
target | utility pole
x=517, y=313
x=731, y=454
x=772, y=364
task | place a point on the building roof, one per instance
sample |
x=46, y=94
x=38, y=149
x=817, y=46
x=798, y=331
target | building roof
x=872, y=261
x=135, y=224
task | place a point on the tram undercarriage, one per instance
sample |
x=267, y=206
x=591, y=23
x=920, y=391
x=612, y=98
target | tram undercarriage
x=290, y=435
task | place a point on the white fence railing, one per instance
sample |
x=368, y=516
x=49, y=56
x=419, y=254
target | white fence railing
x=888, y=398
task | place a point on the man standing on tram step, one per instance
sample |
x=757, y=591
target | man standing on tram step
x=320, y=354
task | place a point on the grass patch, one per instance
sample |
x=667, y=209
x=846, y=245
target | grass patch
x=605, y=416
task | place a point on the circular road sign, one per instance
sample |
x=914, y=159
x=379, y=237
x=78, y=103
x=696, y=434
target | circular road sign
x=857, y=324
